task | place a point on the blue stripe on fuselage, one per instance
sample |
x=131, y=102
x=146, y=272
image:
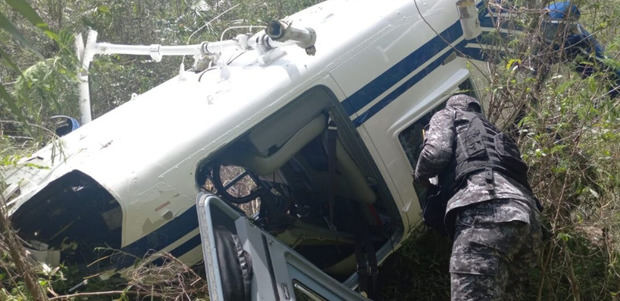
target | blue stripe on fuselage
x=179, y=251
x=404, y=87
x=187, y=246
x=475, y=53
x=166, y=235
x=188, y=220
x=389, y=78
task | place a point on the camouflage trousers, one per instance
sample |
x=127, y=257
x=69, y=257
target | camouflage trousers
x=495, y=246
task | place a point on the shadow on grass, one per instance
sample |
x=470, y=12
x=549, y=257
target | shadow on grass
x=418, y=270
x=573, y=268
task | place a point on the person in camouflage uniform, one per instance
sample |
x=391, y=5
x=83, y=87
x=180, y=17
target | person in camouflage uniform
x=492, y=215
x=561, y=30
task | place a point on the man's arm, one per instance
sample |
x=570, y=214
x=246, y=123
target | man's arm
x=438, y=146
x=589, y=57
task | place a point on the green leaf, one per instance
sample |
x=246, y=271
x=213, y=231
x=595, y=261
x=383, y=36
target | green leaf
x=30, y=14
x=52, y=35
x=104, y=9
x=4, y=57
x=12, y=104
x=8, y=27
x=564, y=236
x=512, y=62
x=37, y=166
x=558, y=148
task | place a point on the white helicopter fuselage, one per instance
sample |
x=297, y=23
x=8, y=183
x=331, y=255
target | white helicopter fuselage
x=388, y=63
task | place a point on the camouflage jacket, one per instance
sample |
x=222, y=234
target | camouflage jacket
x=439, y=151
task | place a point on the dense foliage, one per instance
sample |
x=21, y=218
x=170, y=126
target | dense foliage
x=569, y=134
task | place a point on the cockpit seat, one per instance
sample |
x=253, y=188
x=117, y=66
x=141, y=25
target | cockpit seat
x=275, y=141
x=266, y=164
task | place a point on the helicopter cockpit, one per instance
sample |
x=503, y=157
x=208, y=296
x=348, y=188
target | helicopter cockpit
x=294, y=177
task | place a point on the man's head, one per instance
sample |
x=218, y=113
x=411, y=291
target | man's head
x=464, y=103
x=563, y=10
x=560, y=19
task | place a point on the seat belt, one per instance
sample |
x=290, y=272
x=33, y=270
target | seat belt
x=365, y=255
x=332, y=136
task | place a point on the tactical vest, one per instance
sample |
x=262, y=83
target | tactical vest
x=481, y=146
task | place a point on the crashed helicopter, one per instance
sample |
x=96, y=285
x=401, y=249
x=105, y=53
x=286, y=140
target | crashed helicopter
x=320, y=115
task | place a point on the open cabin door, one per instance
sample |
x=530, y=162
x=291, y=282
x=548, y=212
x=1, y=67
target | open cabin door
x=243, y=262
